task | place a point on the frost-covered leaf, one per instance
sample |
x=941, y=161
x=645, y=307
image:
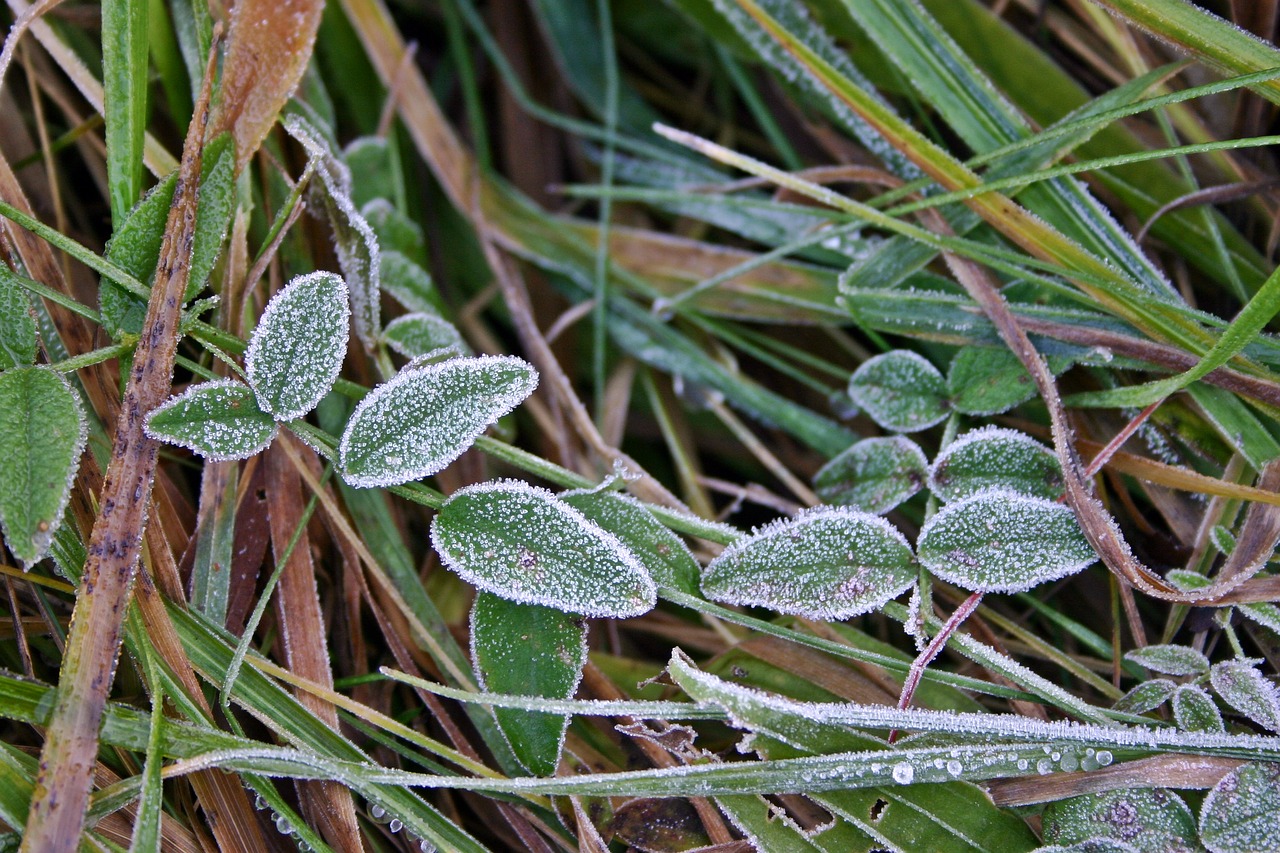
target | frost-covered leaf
x=663, y=554
x=297, y=349
x=827, y=563
x=1244, y=688
x=417, y=334
x=524, y=544
x=1092, y=845
x=425, y=417
x=1170, y=659
x=874, y=475
x=1147, y=696
x=1195, y=711
x=42, y=433
x=1151, y=820
x=219, y=420
x=988, y=381
x=993, y=457
x=409, y=283
x=1001, y=541
x=901, y=391
x=18, y=341
x=1242, y=812
x=528, y=650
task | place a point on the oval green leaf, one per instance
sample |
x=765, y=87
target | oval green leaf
x=1151, y=820
x=874, y=475
x=18, y=341
x=219, y=420
x=417, y=334
x=1170, y=659
x=1195, y=711
x=663, y=554
x=523, y=544
x=1001, y=541
x=1242, y=812
x=1147, y=696
x=42, y=434
x=528, y=650
x=297, y=349
x=425, y=417
x=993, y=457
x=987, y=381
x=827, y=563
x=901, y=391
x=1244, y=688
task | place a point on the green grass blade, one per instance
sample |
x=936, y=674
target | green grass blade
x=124, y=73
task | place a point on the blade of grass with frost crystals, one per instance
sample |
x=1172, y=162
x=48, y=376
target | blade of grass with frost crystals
x=146, y=827
x=124, y=78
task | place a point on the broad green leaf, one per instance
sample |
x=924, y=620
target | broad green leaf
x=1001, y=541
x=298, y=346
x=42, y=433
x=994, y=457
x=1147, y=696
x=1244, y=688
x=409, y=283
x=827, y=563
x=663, y=554
x=900, y=390
x=1152, y=820
x=1241, y=814
x=1195, y=711
x=124, y=83
x=414, y=335
x=370, y=157
x=1092, y=845
x=425, y=417
x=1170, y=659
x=988, y=381
x=528, y=650
x=219, y=420
x=523, y=544
x=398, y=233
x=18, y=341
x=874, y=475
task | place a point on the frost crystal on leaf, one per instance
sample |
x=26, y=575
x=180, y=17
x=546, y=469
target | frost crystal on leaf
x=524, y=544
x=219, y=420
x=993, y=457
x=874, y=475
x=425, y=417
x=663, y=553
x=827, y=563
x=1244, y=688
x=1195, y=711
x=900, y=390
x=1170, y=659
x=297, y=349
x=415, y=335
x=1242, y=812
x=1153, y=820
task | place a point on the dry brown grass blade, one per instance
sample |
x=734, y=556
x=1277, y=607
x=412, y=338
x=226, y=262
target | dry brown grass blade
x=1175, y=771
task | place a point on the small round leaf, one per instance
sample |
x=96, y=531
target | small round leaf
x=1001, y=541
x=901, y=391
x=827, y=563
x=523, y=544
x=1242, y=812
x=415, y=335
x=1195, y=711
x=874, y=475
x=219, y=420
x=987, y=381
x=1147, y=696
x=1247, y=690
x=1151, y=820
x=1170, y=659
x=993, y=457
x=663, y=554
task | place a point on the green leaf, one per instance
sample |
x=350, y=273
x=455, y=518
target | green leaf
x=297, y=349
x=1001, y=541
x=1195, y=711
x=1241, y=814
x=827, y=563
x=1170, y=659
x=42, y=433
x=662, y=553
x=523, y=544
x=1244, y=688
x=988, y=381
x=900, y=390
x=219, y=420
x=409, y=283
x=1152, y=820
x=993, y=457
x=425, y=417
x=398, y=233
x=1147, y=696
x=528, y=650
x=18, y=340
x=414, y=335
x=124, y=82
x=874, y=475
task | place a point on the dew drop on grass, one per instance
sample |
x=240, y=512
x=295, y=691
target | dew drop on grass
x=903, y=773
x=954, y=767
x=395, y=825
x=1103, y=757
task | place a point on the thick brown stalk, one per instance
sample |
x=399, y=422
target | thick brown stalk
x=65, y=777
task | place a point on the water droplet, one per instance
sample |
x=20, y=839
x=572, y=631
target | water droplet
x=377, y=812
x=903, y=773
x=426, y=846
x=1104, y=757
x=954, y=767
x=1070, y=762
x=1044, y=766
x=259, y=802
x=1022, y=764
x=395, y=825
x=283, y=826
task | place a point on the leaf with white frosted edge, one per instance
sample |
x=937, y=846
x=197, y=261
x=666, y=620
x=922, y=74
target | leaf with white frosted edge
x=995, y=458
x=663, y=554
x=1170, y=659
x=528, y=650
x=1151, y=820
x=42, y=434
x=524, y=544
x=219, y=420
x=425, y=417
x=901, y=391
x=874, y=475
x=1092, y=845
x=989, y=380
x=414, y=335
x=1001, y=541
x=1195, y=711
x=1147, y=696
x=1241, y=814
x=827, y=563
x=297, y=349
x=1244, y=688
x=18, y=340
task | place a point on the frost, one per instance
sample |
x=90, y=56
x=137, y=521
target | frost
x=1147, y=696
x=663, y=553
x=1195, y=711
x=994, y=457
x=900, y=390
x=827, y=563
x=219, y=420
x=1242, y=812
x=521, y=543
x=1001, y=541
x=297, y=349
x=18, y=341
x=874, y=475
x=1153, y=820
x=1244, y=688
x=415, y=335
x=425, y=417
x=1170, y=659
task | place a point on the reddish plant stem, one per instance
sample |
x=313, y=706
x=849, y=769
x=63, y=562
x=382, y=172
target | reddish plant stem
x=931, y=651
